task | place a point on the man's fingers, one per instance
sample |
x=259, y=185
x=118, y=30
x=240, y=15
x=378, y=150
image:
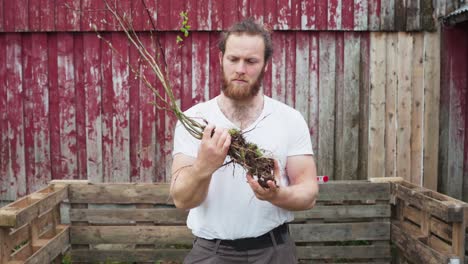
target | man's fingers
x=207, y=132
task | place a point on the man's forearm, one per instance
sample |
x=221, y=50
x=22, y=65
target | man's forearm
x=189, y=188
x=296, y=197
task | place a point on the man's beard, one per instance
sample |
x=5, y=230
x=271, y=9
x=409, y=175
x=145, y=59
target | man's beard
x=241, y=93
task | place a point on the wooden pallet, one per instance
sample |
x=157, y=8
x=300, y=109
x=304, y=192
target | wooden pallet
x=30, y=228
x=428, y=227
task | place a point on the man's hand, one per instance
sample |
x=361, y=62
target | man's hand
x=213, y=150
x=265, y=194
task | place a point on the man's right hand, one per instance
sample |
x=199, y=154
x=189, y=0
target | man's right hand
x=213, y=150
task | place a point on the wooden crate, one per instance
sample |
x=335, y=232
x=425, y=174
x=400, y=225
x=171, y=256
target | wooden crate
x=350, y=224
x=30, y=229
x=353, y=222
x=428, y=227
x=138, y=222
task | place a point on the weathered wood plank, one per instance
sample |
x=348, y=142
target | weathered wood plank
x=284, y=14
x=143, y=116
x=347, y=14
x=119, y=193
x=217, y=15
x=344, y=211
x=441, y=229
x=120, y=119
x=80, y=101
x=52, y=248
x=417, y=110
x=413, y=15
x=15, y=114
x=36, y=136
x=374, y=14
x=377, y=102
x=54, y=110
x=21, y=15
x=404, y=104
x=313, y=120
x=130, y=235
x=339, y=148
x=47, y=14
x=24, y=210
x=364, y=89
x=68, y=164
x=334, y=15
x=34, y=16
x=303, y=87
x=2, y=16
x=107, y=98
x=340, y=231
x=400, y=15
x=308, y=14
x=427, y=19
x=278, y=68
x=360, y=190
x=129, y=255
x=42, y=170
x=4, y=144
x=68, y=15
x=343, y=252
x=128, y=216
x=92, y=87
x=361, y=15
x=352, y=47
x=290, y=65
x=391, y=85
x=230, y=14
x=327, y=63
x=256, y=9
x=416, y=250
x=321, y=13
x=432, y=64
x=387, y=15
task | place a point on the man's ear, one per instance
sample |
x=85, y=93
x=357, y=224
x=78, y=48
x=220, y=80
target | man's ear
x=220, y=58
x=267, y=64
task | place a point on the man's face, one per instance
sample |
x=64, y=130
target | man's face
x=243, y=66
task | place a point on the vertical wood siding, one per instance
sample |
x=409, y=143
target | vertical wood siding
x=359, y=15
x=403, y=106
x=71, y=107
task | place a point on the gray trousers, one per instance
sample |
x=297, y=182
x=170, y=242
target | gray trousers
x=213, y=252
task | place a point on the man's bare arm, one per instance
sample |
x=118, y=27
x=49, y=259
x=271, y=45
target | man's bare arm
x=191, y=176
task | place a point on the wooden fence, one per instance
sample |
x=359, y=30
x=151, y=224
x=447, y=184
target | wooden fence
x=71, y=109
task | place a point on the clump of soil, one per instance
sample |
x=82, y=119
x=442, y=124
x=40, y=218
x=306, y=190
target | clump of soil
x=252, y=158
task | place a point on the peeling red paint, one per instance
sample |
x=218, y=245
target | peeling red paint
x=87, y=116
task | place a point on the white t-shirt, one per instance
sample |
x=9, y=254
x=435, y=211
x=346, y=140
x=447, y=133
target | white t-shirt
x=231, y=210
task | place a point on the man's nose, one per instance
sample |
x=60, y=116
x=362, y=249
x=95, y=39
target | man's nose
x=240, y=67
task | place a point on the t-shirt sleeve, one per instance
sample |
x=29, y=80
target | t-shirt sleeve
x=184, y=142
x=299, y=143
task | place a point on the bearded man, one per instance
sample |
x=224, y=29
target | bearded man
x=234, y=221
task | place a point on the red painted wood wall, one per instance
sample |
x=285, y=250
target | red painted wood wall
x=453, y=163
x=71, y=108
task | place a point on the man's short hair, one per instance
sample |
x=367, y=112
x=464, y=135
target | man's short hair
x=250, y=27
